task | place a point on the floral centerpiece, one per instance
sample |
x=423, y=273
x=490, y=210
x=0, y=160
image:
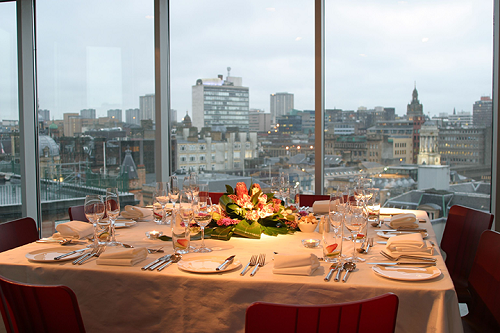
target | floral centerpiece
x=250, y=213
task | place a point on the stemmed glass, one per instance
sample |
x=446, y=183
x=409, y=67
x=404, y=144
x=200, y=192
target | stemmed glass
x=162, y=196
x=332, y=239
x=194, y=184
x=112, y=211
x=202, y=215
x=275, y=187
x=186, y=214
x=355, y=221
x=173, y=190
x=94, y=211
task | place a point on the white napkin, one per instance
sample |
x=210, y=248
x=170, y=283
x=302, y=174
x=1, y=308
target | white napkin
x=74, y=229
x=133, y=212
x=295, y=264
x=122, y=256
x=321, y=206
x=404, y=221
x=409, y=244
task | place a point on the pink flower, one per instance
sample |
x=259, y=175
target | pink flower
x=255, y=188
x=277, y=203
x=252, y=215
x=227, y=222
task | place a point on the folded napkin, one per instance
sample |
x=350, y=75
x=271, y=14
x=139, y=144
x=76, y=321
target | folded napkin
x=74, y=229
x=298, y=264
x=133, y=212
x=321, y=206
x=122, y=256
x=409, y=244
x=404, y=221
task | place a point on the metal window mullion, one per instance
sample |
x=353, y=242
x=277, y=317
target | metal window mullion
x=28, y=129
x=163, y=151
x=495, y=172
x=319, y=94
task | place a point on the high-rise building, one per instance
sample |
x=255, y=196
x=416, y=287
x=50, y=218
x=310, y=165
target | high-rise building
x=115, y=115
x=132, y=116
x=147, y=107
x=87, y=114
x=281, y=104
x=219, y=104
x=72, y=124
x=415, y=113
x=259, y=121
x=482, y=112
x=44, y=114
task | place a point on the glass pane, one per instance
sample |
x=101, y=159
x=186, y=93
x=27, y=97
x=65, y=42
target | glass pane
x=242, y=86
x=10, y=171
x=408, y=95
x=96, y=96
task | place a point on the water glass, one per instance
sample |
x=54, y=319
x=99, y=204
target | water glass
x=180, y=232
x=94, y=210
x=157, y=212
x=373, y=205
x=173, y=190
x=332, y=243
x=112, y=211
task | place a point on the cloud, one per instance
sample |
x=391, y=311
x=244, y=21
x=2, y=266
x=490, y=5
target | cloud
x=425, y=39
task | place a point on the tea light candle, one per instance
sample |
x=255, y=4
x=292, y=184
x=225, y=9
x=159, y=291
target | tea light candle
x=310, y=243
x=154, y=234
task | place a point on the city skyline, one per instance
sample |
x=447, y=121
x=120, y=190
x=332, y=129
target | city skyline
x=445, y=46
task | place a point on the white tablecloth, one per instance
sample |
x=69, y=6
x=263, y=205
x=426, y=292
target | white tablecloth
x=126, y=299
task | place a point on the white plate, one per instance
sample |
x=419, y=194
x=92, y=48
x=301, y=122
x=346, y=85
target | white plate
x=407, y=273
x=122, y=223
x=206, y=264
x=389, y=234
x=48, y=255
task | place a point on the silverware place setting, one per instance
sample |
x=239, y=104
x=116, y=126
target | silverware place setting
x=157, y=261
x=252, y=262
x=260, y=263
x=334, y=267
x=406, y=256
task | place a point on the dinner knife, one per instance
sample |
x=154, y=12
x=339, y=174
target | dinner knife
x=403, y=230
x=403, y=263
x=333, y=268
x=166, y=257
x=68, y=254
x=226, y=262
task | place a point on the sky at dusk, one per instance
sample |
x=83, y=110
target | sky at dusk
x=99, y=53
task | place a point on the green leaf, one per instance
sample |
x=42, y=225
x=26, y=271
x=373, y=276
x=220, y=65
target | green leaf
x=255, y=198
x=229, y=190
x=273, y=231
x=222, y=233
x=248, y=230
x=224, y=201
x=165, y=238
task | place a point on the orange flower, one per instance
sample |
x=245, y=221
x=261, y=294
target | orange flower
x=255, y=189
x=241, y=189
x=252, y=215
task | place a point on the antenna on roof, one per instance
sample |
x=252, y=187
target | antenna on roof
x=228, y=71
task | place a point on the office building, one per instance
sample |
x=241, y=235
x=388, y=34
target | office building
x=72, y=124
x=87, y=114
x=132, y=116
x=147, y=107
x=258, y=120
x=220, y=104
x=482, y=112
x=281, y=104
x=115, y=115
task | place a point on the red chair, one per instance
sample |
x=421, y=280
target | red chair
x=77, y=213
x=484, y=286
x=17, y=233
x=462, y=231
x=374, y=315
x=308, y=199
x=215, y=196
x=29, y=308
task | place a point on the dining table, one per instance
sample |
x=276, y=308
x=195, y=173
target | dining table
x=129, y=299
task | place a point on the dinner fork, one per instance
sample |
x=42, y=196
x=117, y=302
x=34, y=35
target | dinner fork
x=252, y=262
x=261, y=262
x=370, y=244
x=84, y=256
x=406, y=256
x=96, y=254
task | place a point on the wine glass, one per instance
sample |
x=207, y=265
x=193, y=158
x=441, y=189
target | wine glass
x=173, y=190
x=94, y=211
x=194, y=184
x=284, y=189
x=202, y=215
x=112, y=211
x=186, y=214
x=355, y=221
x=332, y=237
x=161, y=195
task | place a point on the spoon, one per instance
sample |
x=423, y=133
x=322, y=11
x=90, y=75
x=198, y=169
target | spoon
x=349, y=267
x=339, y=271
x=175, y=258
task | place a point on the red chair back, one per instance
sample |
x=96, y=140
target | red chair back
x=375, y=315
x=77, y=213
x=308, y=199
x=215, y=196
x=17, y=233
x=484, y=284
x=461, y=235
x=35, y=308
